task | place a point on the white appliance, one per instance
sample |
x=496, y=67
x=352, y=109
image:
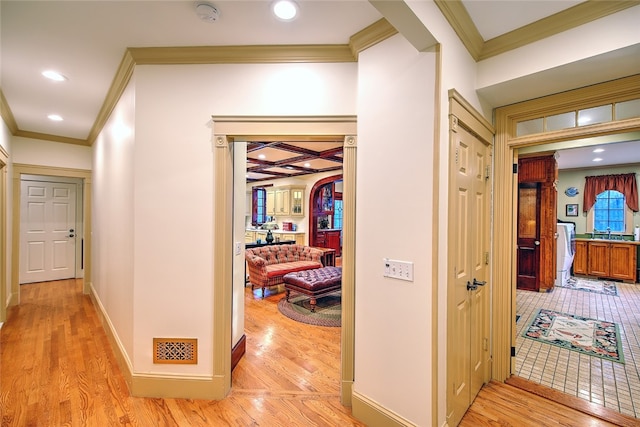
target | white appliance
x=565, y=244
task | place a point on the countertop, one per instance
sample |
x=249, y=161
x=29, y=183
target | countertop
x=278, y=231
x=587, y=239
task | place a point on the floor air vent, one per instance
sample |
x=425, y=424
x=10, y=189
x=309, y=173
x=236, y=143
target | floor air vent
x=175, y=350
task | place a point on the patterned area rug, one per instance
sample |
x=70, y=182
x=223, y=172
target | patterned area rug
x=587, y=285
x=592, y=337
x=328, y=309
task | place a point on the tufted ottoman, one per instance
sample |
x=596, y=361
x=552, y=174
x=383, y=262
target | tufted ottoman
x=315, y=283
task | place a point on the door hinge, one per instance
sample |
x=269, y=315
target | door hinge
x=486, y=258
x=487, y=171
x=457, y=155
x=485, y=344
x=513, y=352
x=515, y=168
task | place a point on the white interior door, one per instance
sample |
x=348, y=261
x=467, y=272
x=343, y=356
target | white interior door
x=468, y=345
x=47, y=231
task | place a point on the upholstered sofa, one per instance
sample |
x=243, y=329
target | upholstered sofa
x=268, y=264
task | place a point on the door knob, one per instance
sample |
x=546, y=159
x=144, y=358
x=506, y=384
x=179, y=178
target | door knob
x=71, y=235
x=471, y=287
x=537, y=243
x=478, y=283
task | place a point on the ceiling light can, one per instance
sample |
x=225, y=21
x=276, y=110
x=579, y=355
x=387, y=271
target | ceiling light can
x=285, y=10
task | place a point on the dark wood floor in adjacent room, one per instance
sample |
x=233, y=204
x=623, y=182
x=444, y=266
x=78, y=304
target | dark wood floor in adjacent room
x=56, y=368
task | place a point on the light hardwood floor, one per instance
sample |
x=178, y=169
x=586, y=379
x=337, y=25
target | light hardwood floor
x=56, y=368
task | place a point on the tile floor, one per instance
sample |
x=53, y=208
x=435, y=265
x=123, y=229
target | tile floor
x=614, y=385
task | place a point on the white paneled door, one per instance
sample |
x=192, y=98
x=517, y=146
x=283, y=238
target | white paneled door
x=47, y=231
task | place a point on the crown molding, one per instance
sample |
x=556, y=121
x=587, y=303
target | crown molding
x=371, y=35
x=567, y=19
x=7, y=115
x=459, y=19
x=257, y=54
x=580, y=14
x=49, y=137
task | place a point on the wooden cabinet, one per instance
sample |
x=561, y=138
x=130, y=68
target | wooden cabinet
x=622, y=261
x=328, y=239
x=282, y=201
x=249, y=236
x=580, y=261
x=285, y=201
x=298, y=237
x=606, y=259
x=297, y=202
x=271, y=202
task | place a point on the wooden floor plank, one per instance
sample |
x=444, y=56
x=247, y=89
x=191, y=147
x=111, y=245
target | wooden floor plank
x=58, y=369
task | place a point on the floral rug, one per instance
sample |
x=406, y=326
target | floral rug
x=587, y=285
x=592, y=337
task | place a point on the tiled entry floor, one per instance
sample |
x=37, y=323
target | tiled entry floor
x=614, y=385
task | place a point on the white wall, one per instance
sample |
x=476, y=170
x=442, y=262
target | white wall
x=167, y=189
x=48, y=153
x=394, y=220
x=576, y=178
x=113, y=260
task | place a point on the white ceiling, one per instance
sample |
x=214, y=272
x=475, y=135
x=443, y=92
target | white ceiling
x=86, y=40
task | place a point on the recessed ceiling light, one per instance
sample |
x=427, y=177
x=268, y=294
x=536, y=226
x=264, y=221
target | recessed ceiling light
x=54, y=75
x=262, y=156
x=597, y=159
x=598, y=150
x=285, y=10
x=307, y=165
x=55, y=117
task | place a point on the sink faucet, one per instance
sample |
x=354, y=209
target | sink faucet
x=609, y=233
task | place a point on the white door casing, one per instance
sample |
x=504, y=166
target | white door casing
x=48, y=231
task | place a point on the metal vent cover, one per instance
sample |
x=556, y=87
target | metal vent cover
x=175, y=350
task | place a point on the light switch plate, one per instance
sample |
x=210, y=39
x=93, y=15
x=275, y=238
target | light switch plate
x=395, y=269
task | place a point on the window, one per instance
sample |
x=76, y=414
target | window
x=609, y=211
x=337, y=214
x=259, y=206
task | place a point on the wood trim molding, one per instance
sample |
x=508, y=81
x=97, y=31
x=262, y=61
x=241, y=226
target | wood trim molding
x=226, y=130
x=4, y=161
x=7, y=114
x=459, y=19
x=568, y=19
x=19, y=169
x=238, y=351
x=370, y=36
x=580, y=14
x=374, y=414
x=259, y=54
x=53, y=138
x=505, y=155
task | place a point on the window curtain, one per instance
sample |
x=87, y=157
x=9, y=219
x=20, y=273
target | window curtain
x=624, y=183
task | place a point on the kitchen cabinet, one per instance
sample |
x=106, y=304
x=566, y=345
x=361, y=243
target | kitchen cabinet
x=285, y=201
x=297, y=202
x=613, y=260
x=249, y=236
x=271, y=202
x=282, y=201
x=580, y=261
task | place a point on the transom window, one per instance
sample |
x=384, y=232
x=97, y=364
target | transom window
x=609, y=211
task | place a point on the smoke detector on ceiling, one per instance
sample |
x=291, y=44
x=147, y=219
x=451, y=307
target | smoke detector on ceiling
x=207, y=12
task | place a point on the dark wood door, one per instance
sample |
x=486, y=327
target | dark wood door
x=528, y=240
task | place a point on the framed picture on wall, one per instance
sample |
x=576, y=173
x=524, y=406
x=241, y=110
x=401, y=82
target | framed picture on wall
x=572, y=210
